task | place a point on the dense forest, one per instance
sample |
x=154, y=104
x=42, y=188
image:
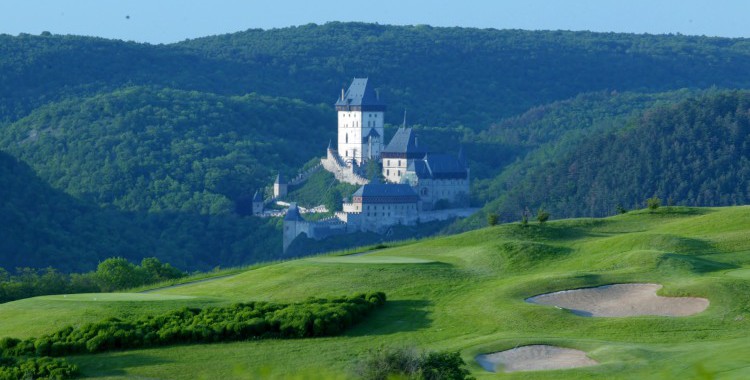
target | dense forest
x=695, y=153
x=42, y=226
x=119, y=149
x=485, y=74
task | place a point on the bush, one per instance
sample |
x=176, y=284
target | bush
x=385, y=363
x=542, y=215
x=492, y=219
x=314, y=317
x=653, y=203
x=36, y=368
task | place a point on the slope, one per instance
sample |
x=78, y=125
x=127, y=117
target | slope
x=152, y=149
x=466, y=292
x=42, y=227
x=693, y=152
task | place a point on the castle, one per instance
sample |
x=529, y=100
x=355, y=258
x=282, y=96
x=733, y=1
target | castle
x=420, y=185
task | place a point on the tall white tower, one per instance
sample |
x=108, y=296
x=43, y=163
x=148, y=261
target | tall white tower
x=360, y=114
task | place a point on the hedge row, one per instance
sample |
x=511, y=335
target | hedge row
x=36, y=368
x=312, y=318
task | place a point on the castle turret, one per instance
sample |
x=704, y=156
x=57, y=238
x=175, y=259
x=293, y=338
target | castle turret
x=360, y=123
x=294, y=224
x=280, y=186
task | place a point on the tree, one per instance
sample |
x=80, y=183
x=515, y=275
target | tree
x=117, y=273
x=621, y=209
x=542, y=215
x=492, y=219
x=333, y=200
x=653, y=203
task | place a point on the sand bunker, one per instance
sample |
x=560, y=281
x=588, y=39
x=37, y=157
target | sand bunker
x=535, y=358
x=622, y=300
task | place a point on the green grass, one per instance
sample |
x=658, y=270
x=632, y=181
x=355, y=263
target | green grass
x=466, y=292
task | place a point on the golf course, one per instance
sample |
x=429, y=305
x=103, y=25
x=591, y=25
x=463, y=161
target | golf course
x=470, y=293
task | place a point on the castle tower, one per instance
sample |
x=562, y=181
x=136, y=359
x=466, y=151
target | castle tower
x=294, y=225
x=360, y=123
x=280, y=187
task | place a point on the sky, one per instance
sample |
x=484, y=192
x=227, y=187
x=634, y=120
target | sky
x=167, y=21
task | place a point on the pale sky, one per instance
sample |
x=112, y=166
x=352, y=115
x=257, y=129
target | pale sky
x=165, y=21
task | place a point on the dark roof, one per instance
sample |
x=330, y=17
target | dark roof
x=382, y=190
x=438, y=166
x=405, y=141
x=292, y=214
x=360, y=94
x=257, y=197
x=372, y=133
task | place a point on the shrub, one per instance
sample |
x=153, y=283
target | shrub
x=492, y=219
x=314, y=317
x=385, y=363
x=653, y=203
x=542, y=215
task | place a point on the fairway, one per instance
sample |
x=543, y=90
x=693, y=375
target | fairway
x=467, y=293
x=371, y=259
x=114, y=297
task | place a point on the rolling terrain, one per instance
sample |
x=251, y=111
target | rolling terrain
x=466, y=292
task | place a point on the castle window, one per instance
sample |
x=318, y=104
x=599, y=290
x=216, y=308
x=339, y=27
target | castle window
x=347, y=138
x=387, y=172
x=399, y=163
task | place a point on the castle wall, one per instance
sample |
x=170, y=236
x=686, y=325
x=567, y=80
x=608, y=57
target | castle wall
x=455, y=191
x=394, y=169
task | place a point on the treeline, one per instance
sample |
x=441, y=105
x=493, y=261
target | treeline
x=486, y=74
x=693, y=153
x=259, y=320
x=111, y=274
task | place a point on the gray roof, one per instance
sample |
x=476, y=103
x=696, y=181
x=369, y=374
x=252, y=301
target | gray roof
x=393, y=192
x=438, y=166
x=405, y=141
x=257, y=197
x=360, y=94
x=292, y=214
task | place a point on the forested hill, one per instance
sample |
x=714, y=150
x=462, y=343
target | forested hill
x=443, y=76
x=695, y=152
x=42, y=227
x=149, y=149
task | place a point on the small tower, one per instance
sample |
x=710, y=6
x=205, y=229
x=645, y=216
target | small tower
x=360, y=123
x=257, y=203
x=279, y=187
x=294, y=225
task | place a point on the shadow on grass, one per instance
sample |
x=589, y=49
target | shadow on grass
x=394, y=317
x=114, y=364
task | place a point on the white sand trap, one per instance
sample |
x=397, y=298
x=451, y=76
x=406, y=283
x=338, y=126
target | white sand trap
x=535, y=358
x=622, y=300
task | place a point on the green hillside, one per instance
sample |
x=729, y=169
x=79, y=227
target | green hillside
x=692, y=152
x=466, y=293
x=485, y=74
x=42, y=227
x=148, y=149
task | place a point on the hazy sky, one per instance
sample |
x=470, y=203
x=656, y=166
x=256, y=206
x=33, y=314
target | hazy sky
x=164, y=21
